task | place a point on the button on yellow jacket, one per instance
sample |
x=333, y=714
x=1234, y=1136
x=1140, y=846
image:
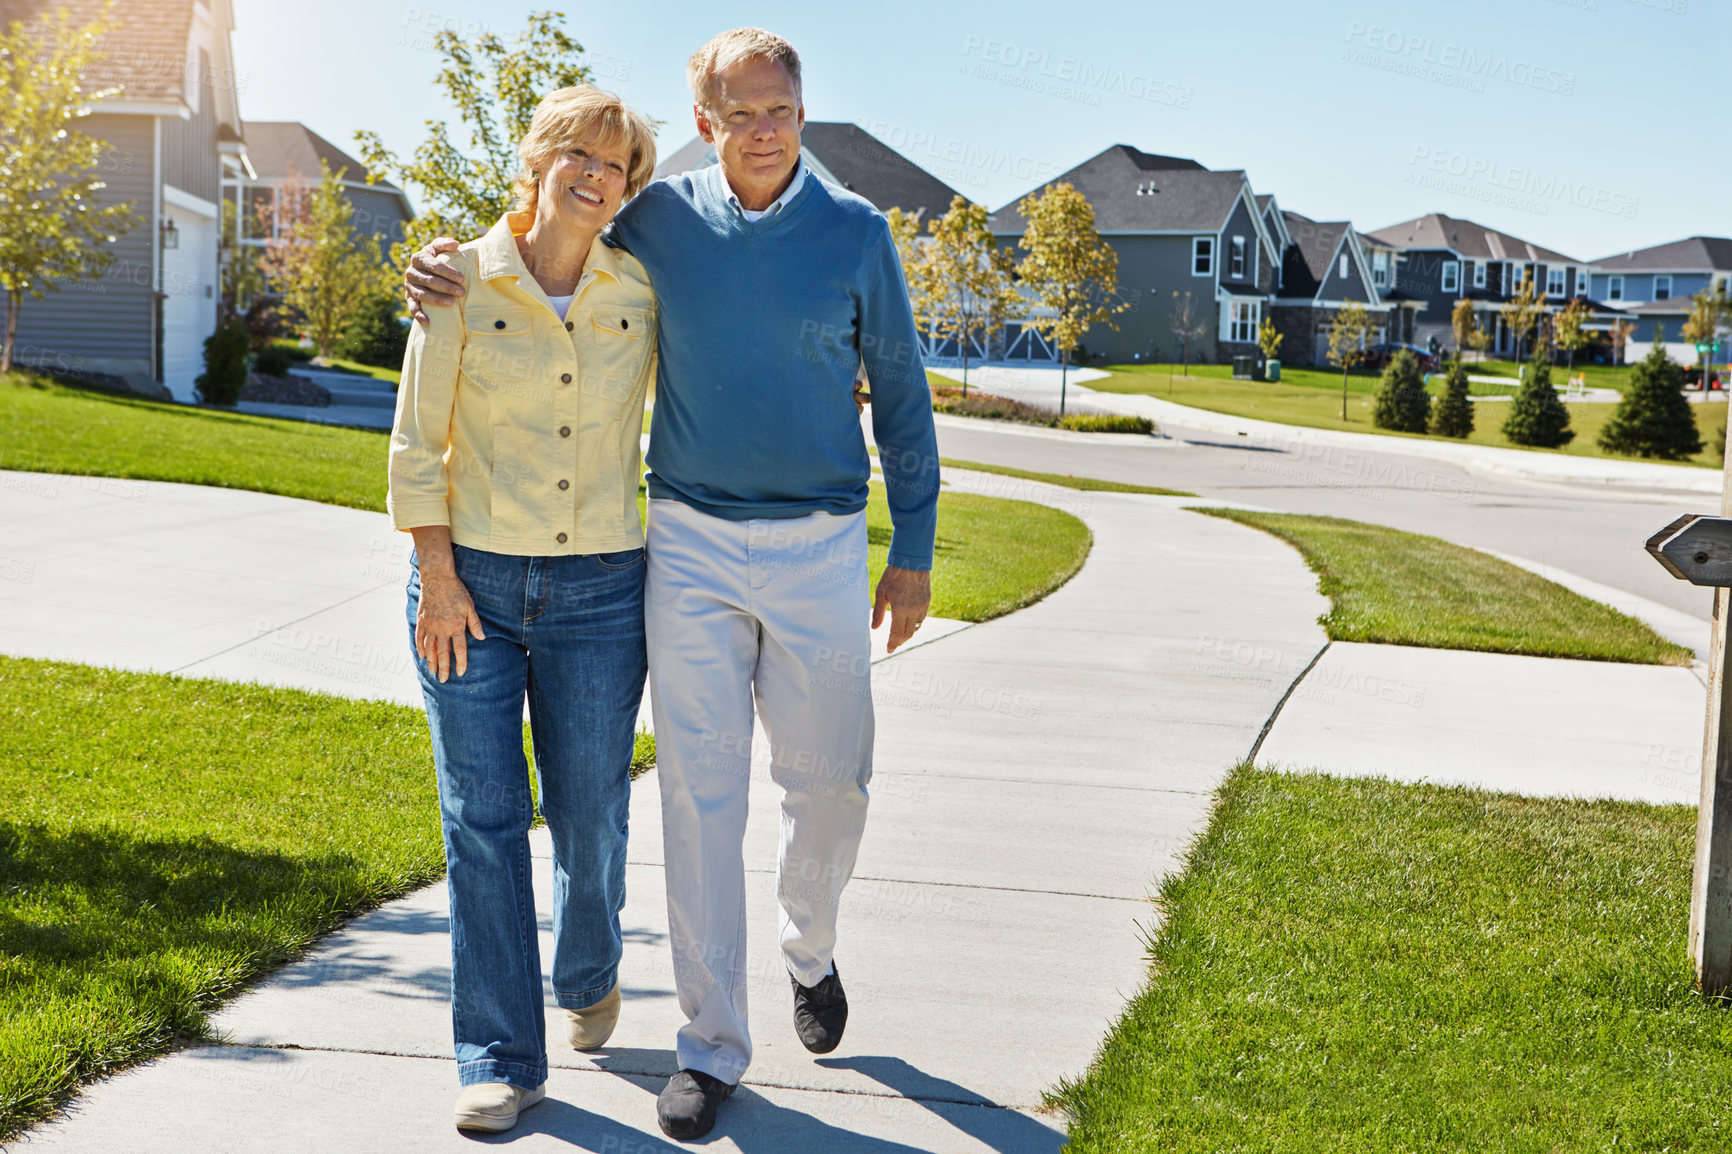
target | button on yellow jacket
x=518, y=428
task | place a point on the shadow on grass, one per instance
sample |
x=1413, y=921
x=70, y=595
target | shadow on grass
x=113, y=946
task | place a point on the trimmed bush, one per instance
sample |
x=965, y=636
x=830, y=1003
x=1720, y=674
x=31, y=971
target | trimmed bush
x=1402, y=402
x=275, y=360
x=378, y=335
x=1536, y=416
x=225, y=365
x=1453, y=414
x=1654, y=419
x=1105, y=423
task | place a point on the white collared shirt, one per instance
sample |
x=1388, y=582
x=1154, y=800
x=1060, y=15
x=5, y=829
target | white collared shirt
x=755, y=214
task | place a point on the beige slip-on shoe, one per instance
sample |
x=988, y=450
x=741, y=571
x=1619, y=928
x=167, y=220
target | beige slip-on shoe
x=592, y=1026
x=494, y=1105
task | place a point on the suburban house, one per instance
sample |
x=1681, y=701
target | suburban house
x=175, y=134
x=849, y=157
x=1178, y=228
x=1655, y=286
x=1323, y=269
x=1442, y=259
x=284, y=151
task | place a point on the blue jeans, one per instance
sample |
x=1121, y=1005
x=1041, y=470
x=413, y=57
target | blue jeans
x=567, y=634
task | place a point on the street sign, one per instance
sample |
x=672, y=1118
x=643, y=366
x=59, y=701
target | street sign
x=1696, y=548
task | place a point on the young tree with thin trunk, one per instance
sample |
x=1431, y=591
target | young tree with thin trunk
x=1188, y=321
x=966, y=283
x=1468, y=333
x=1069, y=270
x=1347, y=333
x=495, y=89
x=1571, y=329
x=1522, y=311
x=318, y=264
x=52, y=227
x=1709, y=311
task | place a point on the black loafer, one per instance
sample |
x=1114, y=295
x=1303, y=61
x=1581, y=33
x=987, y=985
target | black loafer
x=820, y=1012
x=686, y=1107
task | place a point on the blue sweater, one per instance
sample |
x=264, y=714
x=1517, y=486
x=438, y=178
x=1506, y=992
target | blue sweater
x=762, y=327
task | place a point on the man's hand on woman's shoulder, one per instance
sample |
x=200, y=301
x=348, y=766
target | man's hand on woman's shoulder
x=431, y=278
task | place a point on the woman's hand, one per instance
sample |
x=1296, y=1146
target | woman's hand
x=445, y=619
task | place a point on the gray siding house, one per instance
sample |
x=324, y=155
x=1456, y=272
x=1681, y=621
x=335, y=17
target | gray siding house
x=1324, y=269
x=283, y=151
x=174, y=130
x=1654, y=286
x=1442, y=259
x=1177, y=227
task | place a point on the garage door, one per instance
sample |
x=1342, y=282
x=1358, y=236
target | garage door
x=189, y=303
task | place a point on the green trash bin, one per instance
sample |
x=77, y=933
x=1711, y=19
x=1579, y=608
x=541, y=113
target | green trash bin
x=1271, y=370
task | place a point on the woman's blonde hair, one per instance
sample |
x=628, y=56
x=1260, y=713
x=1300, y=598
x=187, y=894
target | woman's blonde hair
x=571, y=116
x=732, y=47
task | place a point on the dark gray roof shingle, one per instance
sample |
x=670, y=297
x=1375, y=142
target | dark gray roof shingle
x=1435, y=230
x=280, y=147
x=1134, y=191
x=1696, y=252
x=1305, y=265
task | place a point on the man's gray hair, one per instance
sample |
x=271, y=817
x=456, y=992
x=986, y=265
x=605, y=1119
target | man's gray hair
x=733, y=47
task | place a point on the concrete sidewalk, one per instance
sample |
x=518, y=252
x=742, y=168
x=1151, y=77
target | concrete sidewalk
x=1037, y=776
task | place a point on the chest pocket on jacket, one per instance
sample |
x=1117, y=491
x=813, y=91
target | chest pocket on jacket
x=499, y=349
x=623, y=339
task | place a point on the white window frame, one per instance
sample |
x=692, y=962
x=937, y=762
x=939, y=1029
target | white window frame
x=1559, y=276
x=1451, y=276
x=1236, y=259
x=1614, y=288
x=1380, y=268
x=1341, y=266
x=1666, y=293
x=1203, y=253
x=1581, y=282
x=1243, y=319
x=1479, y=274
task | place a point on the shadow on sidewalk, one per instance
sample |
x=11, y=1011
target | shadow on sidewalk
x=1005, y=1130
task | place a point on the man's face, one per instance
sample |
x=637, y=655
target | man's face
x=755, y=125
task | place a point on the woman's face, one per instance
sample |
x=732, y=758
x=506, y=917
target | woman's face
x=584, y=185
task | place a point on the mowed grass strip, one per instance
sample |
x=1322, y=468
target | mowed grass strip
x=1397, y=588
x=164, y=841
x=1353, y=965
x=54, y=428
x=992, y=556
x=1065, y=480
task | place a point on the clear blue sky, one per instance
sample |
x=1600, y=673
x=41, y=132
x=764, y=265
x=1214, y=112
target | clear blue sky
x=1589, y=126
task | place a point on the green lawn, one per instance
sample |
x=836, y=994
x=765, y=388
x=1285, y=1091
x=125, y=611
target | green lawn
x=1399, y=588
x=1361, y=967
x=1313, y=399
x=51, y=428
x=163, y=841
x=1065, y=479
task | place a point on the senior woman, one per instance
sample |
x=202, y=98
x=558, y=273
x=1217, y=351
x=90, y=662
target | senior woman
x=514, y=463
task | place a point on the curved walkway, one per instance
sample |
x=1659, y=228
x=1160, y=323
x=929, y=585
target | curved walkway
x=1038, y=775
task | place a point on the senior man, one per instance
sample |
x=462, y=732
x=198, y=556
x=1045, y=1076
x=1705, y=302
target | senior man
x=774, y=288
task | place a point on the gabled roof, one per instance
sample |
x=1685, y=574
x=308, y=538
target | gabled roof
x=852, y=158
x=278, y=148
x=1305, y=267
x=1135, y=191
x=1473, y=241
x=1710, y=253
x=145, y=52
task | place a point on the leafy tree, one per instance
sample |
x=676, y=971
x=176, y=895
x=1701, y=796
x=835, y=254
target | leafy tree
x=1571, y=329
x=378, y=335
x=1654, y=419
x=1402, y=402
x=495, y=88
x=1188, y=320
x=965, y=282
x=1468, y=333
x=1347, y=331
x=1453, y=414
x=52, y=228
x=1709, y=311
x=1523, y=310
x=1268, y=340
x=318, y=263
x=1536, y=415
x=1068, y=269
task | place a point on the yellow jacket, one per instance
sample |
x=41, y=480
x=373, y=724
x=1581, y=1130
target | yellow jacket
x=518, y=428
